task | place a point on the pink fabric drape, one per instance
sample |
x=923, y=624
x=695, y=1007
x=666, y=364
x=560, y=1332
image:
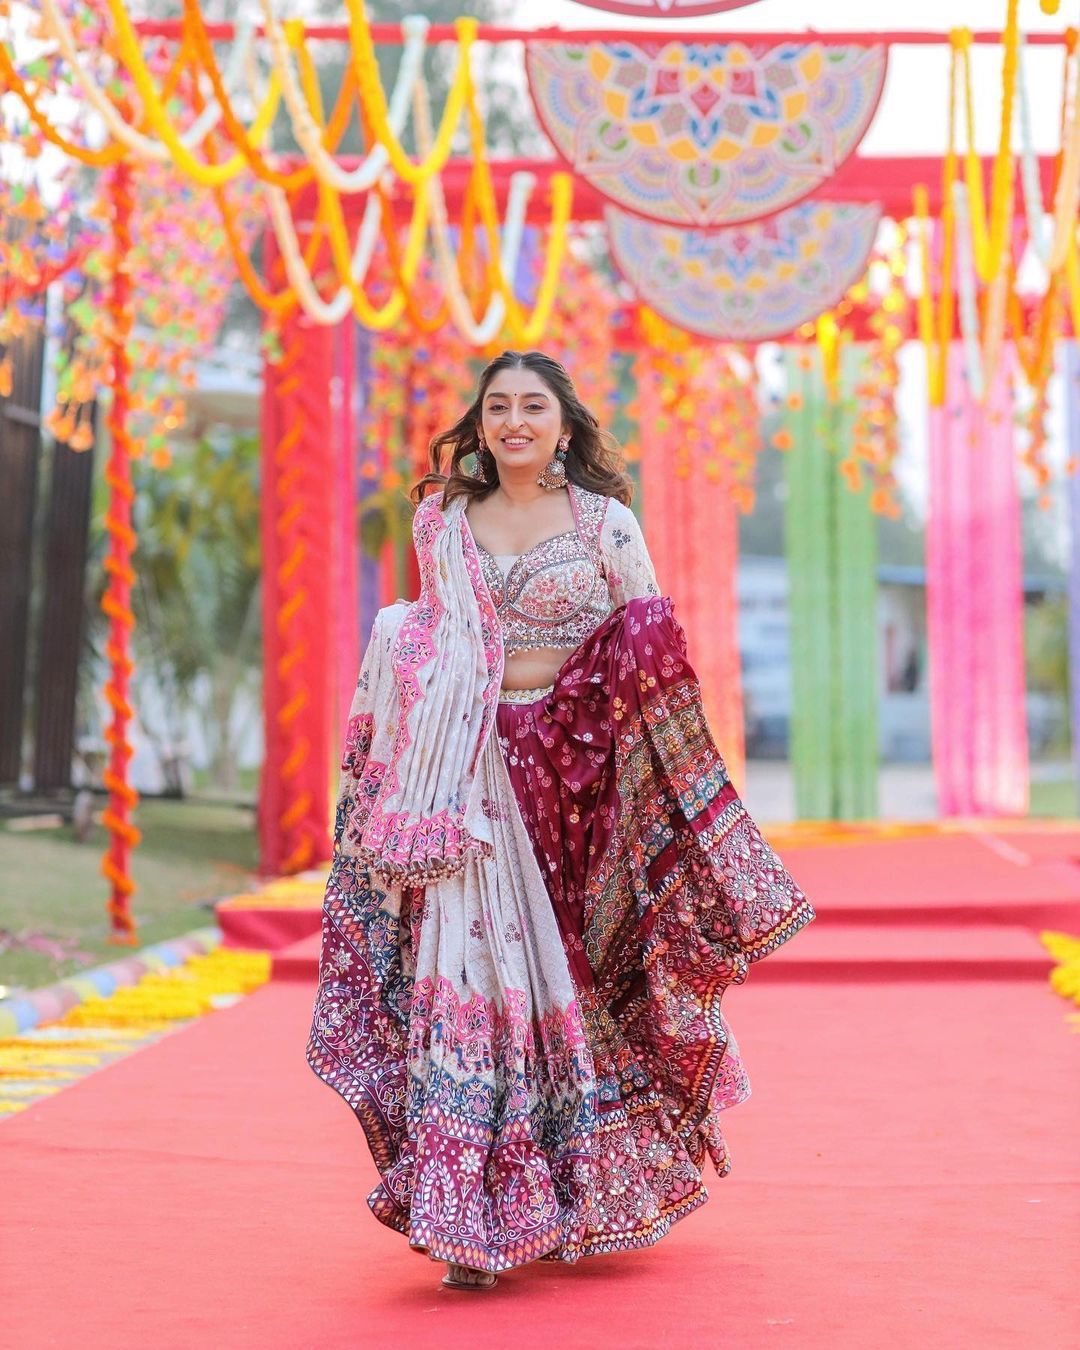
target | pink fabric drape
x=691, y=531
x=975, y=602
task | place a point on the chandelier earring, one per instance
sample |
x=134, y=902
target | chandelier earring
x=553, y=474
x=478, y=470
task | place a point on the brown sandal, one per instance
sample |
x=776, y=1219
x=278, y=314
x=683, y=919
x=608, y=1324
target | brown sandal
x=467, y=1277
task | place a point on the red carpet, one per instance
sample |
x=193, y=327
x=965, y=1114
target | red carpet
x=842, y=951
x=906, y=1175
x=978, y=878
x=266, y=929
x=1019, y=877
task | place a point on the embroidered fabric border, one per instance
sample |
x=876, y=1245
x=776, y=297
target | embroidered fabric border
x=490, y=633
x=413, y=823
x=524, y=695
x=447, y=1016
x=533, y=600
x=447, y=1019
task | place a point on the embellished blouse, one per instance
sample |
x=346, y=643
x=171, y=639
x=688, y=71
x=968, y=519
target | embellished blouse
x=555, y=594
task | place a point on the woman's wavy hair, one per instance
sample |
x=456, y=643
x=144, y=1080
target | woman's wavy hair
x=592, y=461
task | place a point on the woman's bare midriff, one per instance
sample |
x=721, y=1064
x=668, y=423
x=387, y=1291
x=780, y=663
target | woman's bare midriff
x=533, y=669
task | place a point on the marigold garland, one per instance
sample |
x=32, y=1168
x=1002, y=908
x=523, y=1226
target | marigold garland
x=524, y=332
x=1068, y=124
x=991, y=241
x=181, y=274
x=876, y=428
x=289, y=620
x=39, y=245
x=376, y=112
x=116, y=601
x=170, y=143
x=985, y=252
x=245, y=141
x=709, y=408
x=308, y=129
x=350, y=263
x=938, y=336
x=436, y=320
x=587, y=349
x=501, y=258
x=95, y=159
x=1065, y=977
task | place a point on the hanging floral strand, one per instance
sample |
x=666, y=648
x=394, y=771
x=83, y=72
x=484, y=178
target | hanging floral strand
x=123, y=835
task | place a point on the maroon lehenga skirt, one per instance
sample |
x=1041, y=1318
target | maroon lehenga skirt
x=663, y=892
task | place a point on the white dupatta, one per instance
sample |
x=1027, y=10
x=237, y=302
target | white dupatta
x=424, y=707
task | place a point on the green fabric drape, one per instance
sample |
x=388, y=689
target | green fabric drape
x=831, y=543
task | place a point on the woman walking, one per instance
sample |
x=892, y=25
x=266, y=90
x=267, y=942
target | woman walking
x=543, y=880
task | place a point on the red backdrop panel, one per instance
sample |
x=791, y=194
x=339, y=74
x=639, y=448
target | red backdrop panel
x=299, y=631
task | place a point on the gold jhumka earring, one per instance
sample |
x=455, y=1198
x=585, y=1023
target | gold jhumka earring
x=478, y=470
x=553, y=474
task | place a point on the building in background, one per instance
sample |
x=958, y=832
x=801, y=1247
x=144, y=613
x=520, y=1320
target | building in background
x=904, y=707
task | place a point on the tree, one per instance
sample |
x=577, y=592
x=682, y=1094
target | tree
x=197, y=599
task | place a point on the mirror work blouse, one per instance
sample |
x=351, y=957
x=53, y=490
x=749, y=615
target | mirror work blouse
x=558, y=591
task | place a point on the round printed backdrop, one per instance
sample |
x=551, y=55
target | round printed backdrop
x=705, y=134
x=666, y=9
x=746, y=283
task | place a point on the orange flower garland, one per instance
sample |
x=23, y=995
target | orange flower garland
x=117, y=600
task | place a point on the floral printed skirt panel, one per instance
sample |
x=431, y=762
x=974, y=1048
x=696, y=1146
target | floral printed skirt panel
x=535, y=1046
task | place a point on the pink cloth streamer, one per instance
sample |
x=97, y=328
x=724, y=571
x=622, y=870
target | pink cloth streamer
x=975, y=602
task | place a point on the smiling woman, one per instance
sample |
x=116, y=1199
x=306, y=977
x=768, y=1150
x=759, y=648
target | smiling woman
x=524, y=425
x=543, y=879
x=522, y=430
x=540, y=458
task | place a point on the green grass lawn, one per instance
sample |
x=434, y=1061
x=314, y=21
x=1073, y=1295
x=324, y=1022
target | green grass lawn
x=51, y=887
x=1055, y=798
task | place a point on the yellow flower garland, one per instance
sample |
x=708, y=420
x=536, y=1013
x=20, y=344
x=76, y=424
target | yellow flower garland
x=196, y=31
x=331, y=215
x=525, y=332
x=284, y=39
x=163, y=141
x=199, y=171
x=925, y=300
x=376, y=112
x=938, y=360
x=1065, y=977
x=171, y=143
x=1065, y=200
x=991, y=243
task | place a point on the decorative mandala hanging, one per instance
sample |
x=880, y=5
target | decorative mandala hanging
x=666, y=9
x=746, y=283
x=705, y=134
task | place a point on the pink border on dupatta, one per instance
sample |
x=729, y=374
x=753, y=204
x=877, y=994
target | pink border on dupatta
x=394, y=844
